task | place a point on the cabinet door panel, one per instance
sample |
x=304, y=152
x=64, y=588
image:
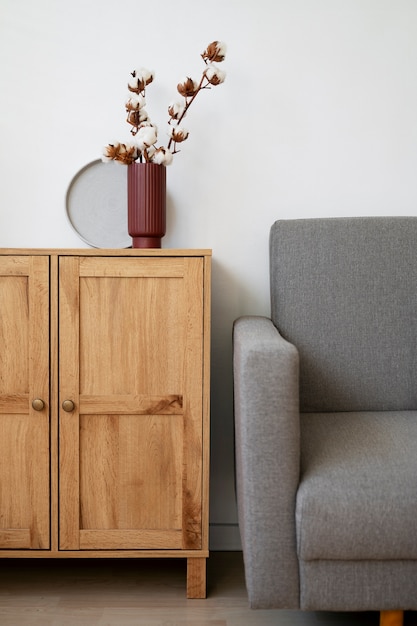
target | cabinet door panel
x=117, y=452
x=131, y=361
x=24, y=376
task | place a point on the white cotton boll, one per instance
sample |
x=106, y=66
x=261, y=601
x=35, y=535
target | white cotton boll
x=143, y=116
x=175, y=110
x=110, y=151
x=144, y=75
x=129, y=146
x=163, y=156
x=140, y=79
x=178, y=134
x=187, y=87
x=215, y=51
x=136, y=102
x=146, y=137
x=214, y=75
x=133, y=83
x=221, y=48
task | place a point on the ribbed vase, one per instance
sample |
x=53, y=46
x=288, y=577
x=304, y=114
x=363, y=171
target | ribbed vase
x=146, y=204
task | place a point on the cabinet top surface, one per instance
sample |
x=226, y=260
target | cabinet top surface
x=134, y=252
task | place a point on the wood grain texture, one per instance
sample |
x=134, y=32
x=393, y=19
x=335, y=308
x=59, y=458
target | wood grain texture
x=24, y=376
x=138, y=421
x=106, y=252
x=196, y=578
x=131, y=475
x=132, y=404
x=69, y=377
x=54, y=399
x=124, y=470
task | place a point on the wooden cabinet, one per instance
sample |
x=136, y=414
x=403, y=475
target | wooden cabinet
x=104, y=405
x=24, y=378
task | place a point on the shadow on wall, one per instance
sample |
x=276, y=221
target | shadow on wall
x=227, y=297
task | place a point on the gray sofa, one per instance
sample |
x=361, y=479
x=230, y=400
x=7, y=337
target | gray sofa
x=326, y=419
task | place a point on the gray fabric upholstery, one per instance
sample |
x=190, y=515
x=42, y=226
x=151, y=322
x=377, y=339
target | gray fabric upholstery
x=267, y=459
x=357, y=498
x=358, y=585
x=326, y=419
x=341, y=289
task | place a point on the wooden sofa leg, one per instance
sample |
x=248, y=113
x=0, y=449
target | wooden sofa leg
x=391, y=618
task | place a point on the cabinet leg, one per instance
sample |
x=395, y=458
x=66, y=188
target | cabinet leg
x=196, y=578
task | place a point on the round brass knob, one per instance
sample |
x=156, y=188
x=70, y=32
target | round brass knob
x=38, y=404
x=68, y=406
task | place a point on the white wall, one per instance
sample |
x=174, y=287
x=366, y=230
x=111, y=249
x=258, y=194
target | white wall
x=317, y=117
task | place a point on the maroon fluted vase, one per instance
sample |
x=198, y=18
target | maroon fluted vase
x=146, y=204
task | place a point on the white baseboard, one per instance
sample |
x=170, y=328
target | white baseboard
x=225, y=537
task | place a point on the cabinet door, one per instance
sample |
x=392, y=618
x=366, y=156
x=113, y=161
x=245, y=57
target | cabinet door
x=24, y=377
x=131, y=361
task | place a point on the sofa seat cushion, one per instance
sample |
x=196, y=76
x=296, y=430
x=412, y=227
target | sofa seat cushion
x=357, y=497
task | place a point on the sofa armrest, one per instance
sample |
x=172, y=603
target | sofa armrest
x=267, y=432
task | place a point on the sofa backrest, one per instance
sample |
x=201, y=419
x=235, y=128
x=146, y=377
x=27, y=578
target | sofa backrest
x=344, y=291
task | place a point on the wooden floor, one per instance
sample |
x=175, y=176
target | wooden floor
x=142, y=592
